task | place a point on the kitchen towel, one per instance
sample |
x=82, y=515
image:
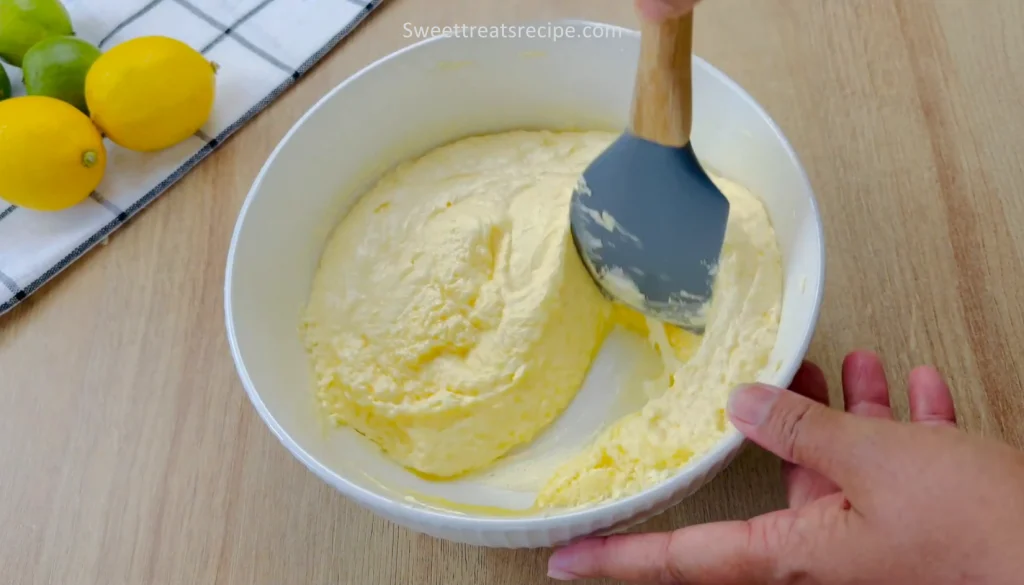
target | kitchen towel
x=262, y=48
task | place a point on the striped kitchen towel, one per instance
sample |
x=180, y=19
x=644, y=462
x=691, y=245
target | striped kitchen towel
x=262, y=47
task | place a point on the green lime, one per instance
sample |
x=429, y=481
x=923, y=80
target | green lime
x=24, y=23
x=56, y=68
x=5, y=85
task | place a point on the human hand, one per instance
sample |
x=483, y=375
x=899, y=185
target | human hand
x=657, y=10
x=871, y=500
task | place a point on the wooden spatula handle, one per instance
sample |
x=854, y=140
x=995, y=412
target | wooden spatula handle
x=662, y=100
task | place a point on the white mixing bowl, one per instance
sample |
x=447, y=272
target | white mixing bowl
x=430, y=93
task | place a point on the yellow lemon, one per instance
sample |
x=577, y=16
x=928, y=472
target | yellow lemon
x=150, y=93
x=51, y=154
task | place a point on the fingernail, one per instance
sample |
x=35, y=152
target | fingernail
x=560, y=575
x=751, y=403
x=659, y=10
x=560, y=567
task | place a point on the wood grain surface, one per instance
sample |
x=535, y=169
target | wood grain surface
x=130, y=454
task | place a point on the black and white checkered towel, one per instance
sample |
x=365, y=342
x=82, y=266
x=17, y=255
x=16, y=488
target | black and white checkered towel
x=262, y=47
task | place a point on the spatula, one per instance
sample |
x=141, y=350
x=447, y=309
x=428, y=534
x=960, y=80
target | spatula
x=646, y=219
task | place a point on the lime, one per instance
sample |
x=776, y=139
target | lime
x=24, y=23
x=56, y=67
x=5, y=85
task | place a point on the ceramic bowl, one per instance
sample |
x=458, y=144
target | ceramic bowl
x=420, y=97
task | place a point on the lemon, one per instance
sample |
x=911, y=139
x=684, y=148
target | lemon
x=51, y=155
x=24, y=23
x=56, y=67
x=150, y=93
x=5, y=85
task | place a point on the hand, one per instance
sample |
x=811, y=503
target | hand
x=656, y=10
x=871, y=500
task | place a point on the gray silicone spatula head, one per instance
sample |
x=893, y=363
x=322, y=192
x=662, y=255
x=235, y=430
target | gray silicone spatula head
x=647, y=220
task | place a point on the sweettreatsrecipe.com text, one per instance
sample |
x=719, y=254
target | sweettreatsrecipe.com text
x=550, y=31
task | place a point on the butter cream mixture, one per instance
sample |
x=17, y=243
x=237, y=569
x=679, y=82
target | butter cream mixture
x=451, y=320
x=686, y=417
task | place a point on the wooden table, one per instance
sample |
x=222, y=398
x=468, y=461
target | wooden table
x=130, y=454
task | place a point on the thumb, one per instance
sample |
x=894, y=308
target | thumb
x=719, y=554
x=806, y=433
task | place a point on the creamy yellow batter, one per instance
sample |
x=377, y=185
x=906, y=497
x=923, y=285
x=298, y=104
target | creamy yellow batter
x=685, y=417
x=451, y=319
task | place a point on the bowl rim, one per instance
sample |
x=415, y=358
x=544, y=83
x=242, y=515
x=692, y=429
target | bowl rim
x=624, y=507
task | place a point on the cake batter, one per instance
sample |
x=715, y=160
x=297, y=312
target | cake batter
x=451, y=319
x=686, y=416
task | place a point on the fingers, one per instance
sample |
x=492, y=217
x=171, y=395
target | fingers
x=804, y=485
x=930, y=399
x=720, y=554
x=658, y=10
x=866, y=391
x=865, y=388
x=805, y=432
x=809, y=381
